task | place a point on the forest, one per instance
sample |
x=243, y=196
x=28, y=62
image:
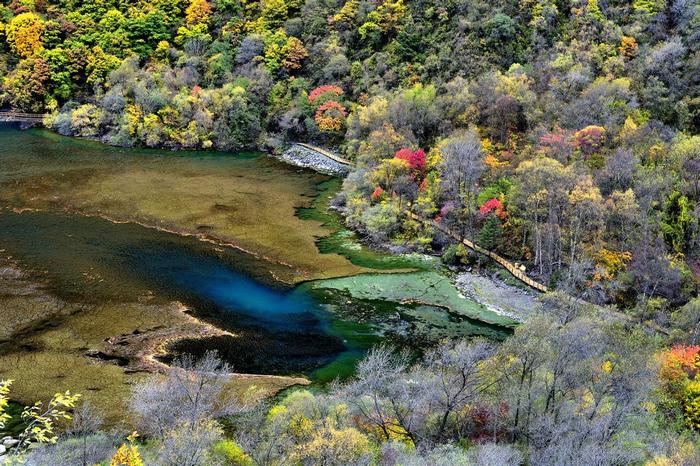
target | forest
x=560, y=134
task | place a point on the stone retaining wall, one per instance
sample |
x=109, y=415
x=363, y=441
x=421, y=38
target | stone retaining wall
x=307, y=158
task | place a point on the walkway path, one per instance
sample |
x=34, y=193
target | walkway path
x=20, y=117
x=505, y=263
x=326, y=153
x=520, y=275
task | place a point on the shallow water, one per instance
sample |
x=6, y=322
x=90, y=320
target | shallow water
x=90, y=260
x=247, y=200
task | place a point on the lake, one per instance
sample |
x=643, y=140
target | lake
x=98, y=244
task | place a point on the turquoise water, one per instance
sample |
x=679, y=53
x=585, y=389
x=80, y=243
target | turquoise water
x=279, y=329
x=249, y=302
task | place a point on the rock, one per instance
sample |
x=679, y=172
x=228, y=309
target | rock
x=302, y=157
x=3, y=450
x=498, y=296
x=10, y=443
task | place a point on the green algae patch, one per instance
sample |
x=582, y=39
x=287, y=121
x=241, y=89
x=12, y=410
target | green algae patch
x=429, y=288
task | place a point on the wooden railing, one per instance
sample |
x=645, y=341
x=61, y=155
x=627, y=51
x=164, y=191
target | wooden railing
x=325, y=153
x=517, y=272
x=21, y=117
x=520, y=274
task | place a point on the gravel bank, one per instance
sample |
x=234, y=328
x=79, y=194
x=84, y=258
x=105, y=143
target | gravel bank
x=303, y=157
x=499, y=297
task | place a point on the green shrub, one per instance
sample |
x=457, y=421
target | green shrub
x=230, y=452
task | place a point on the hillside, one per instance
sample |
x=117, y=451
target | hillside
x=558, y=133
x=563, y=136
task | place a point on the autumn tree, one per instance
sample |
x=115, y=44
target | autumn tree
x=460, y=170
x=28, y=84
x=542, y=195
x=24, y=34
x=191, y=393
x=686, y=154
x=586, y=218
x=678, y=370
x=198, y=12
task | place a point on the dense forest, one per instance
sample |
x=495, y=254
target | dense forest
x=561, y=134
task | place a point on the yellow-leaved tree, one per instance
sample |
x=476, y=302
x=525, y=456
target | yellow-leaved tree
x=40, y=419
x=4, y=400
x=24, y=34
x=198, y=12
x=127, y=454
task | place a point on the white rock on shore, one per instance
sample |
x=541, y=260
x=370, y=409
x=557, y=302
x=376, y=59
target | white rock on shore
x=6, y=443
x=302, y=157
x=497, y=296
x=9, y=442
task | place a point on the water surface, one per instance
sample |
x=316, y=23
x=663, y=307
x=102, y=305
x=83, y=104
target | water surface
x=248, y=200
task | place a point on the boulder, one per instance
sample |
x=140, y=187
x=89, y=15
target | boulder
x=10, y=443
x=303, y=157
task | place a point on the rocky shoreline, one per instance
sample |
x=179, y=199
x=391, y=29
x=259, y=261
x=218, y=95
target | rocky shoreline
x=306, y=158
x=6, y=444
x=497, y=296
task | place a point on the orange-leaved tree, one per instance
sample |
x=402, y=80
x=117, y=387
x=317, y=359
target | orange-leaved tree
x=679, y=376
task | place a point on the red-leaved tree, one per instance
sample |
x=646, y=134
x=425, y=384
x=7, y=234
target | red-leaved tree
x=327, y=90
x=493, y=205
x=415, y=159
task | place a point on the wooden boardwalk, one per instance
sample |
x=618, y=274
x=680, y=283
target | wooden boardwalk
x=520, y=275
x=19, y=117
x=505, y=263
